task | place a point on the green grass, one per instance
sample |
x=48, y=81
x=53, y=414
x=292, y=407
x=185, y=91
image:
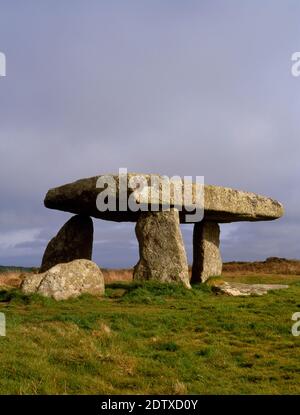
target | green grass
x=151, y=338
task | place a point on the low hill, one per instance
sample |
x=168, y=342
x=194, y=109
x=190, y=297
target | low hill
x=272, y=265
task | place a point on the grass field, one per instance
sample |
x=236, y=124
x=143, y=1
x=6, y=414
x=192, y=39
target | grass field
x=152, y=339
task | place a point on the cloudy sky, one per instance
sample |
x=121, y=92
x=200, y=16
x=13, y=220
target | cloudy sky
x=166, y=86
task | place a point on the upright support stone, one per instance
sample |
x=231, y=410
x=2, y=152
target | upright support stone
x=162, y=254
x=73, y=241
x=207, y=261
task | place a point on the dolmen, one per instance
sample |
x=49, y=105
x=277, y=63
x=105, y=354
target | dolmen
x=157, y=205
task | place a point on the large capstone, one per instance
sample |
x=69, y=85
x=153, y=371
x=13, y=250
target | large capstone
x=66, y=280
x=221, y=204
x=162, y=254
x=207, y=261
x=73, y=241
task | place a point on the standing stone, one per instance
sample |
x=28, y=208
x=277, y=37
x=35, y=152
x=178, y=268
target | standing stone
x=73, y=241
x=207, y=261
x=162, y=253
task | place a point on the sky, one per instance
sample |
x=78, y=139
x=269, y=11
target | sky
x=172, y=87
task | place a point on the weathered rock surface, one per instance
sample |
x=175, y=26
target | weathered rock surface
x=207, y=261
x=73, y=241
x=221, y=204
x=162, y=253
x=66, y=280
x=239, y=289
x=31, y=283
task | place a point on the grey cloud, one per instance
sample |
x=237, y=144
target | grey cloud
x=189, y=88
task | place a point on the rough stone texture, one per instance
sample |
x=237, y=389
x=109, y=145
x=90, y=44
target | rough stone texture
x=31, y=282
x=239, y=289
x=73, y=241
x=207, y=261
x=221, y=204
x=66, y=280
x=162, y=253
